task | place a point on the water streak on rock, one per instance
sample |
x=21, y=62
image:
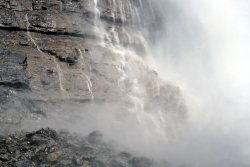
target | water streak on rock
x=60, y=73
x=88, y=81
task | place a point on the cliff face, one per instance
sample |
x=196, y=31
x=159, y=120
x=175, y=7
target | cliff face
x=77, y=64
x=78, y=52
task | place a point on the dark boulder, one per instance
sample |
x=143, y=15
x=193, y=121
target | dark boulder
x=95, y=137
x=45, y=133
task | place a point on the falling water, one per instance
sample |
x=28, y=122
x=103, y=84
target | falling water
x=96, y=10
x=193, y=44
x=29, y=35
x=60, y=76
x=200, y=46
x=130, y=16
x=88, y=81
x=98, y=27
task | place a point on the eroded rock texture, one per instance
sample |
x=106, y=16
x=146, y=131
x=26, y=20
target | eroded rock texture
x=59, y=57
x=76, y=52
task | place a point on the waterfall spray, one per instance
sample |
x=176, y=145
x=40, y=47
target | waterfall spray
x=193, y=44
x=200, y=46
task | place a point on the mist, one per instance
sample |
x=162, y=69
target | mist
x=205, y=50
x=202, y=47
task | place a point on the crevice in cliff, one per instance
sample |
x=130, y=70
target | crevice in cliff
x=57, y=33
x=15, y=85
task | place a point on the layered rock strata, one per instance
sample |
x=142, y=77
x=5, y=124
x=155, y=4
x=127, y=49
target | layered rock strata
x=78, y=51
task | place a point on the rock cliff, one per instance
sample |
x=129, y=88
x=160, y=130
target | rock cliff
x=77, y=53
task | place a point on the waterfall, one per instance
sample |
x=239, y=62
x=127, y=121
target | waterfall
x=85, y=76
x=195, y=45
x=202, y=47
x=167, y=79
x=128, y=37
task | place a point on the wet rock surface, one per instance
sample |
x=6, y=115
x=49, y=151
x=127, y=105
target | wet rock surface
x=46, y=147
x=67, y=56
x=54, y=52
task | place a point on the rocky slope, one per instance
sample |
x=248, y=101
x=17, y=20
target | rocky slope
x=47, y=148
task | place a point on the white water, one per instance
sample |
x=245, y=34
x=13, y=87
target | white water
x=203, y=48
x=29, y=35
x=98, y=26
x=85, y=76
x=60, y=77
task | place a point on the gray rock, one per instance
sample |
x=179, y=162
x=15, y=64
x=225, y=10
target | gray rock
x=45, y=133
x=4, y=157
x=22, y=162
x=140, y=162
x=38, y=140
x=28, y=154
x=78, y=161
x=13, y=70
x=43, y=50
x=95, y=137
